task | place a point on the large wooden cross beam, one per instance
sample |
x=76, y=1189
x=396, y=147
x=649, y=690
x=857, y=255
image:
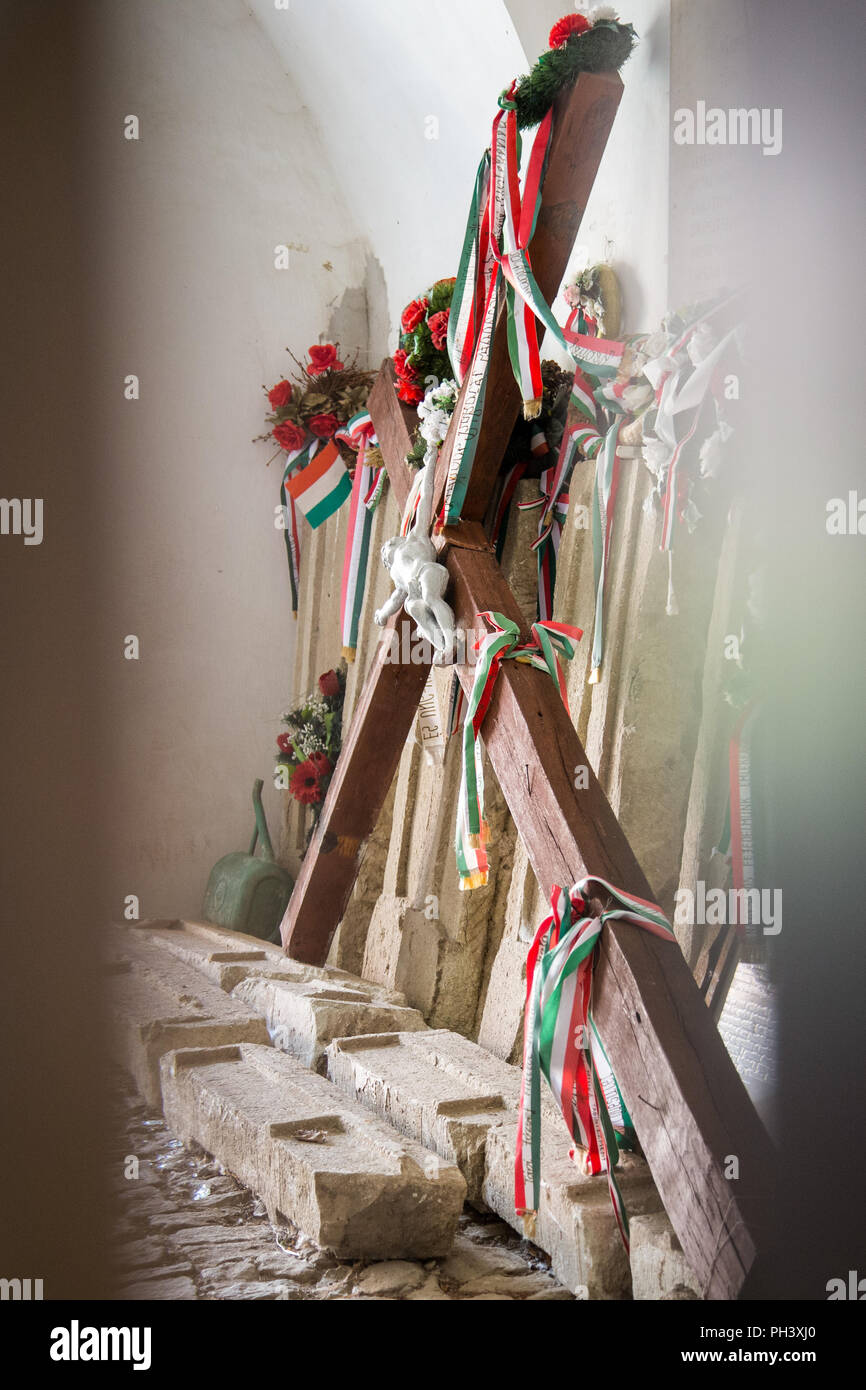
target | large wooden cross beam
x=690, y=1109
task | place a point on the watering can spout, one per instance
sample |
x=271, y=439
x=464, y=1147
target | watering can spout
x=261, y=832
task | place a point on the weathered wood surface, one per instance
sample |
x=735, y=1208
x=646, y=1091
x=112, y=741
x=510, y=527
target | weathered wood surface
x=582, y=118
x=365, y=769
x=689, y=1106
x=394, y=424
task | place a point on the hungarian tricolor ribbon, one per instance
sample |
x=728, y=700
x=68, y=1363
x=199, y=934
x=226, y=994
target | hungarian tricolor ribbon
x=295, y=460
x=549, y=642
x=562, y=1043
x=603, y=507
x=366, y=492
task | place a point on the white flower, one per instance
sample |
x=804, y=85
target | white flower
x=600, y=12
x=656, y=455
x=711, y=455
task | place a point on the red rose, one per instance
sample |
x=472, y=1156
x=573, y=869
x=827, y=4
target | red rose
x=325, y=426
x=289, y=436
x=329, y=683
x=280, y=394
x=324, y=359
x=438, y=326
x=412, y=395
x=304, y=784
x=284, y=743
x=414, y=314
x=322, y=763
x=402, y=367
x=564, y=28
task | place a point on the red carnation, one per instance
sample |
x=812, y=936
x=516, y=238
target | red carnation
x=304, y=784
x=284, y=743
x=414, y=314
x=322, y=763
x=402, y=366
x=280, y=394
x=329, y=683
x=324, y=359
x=289, y=436
x=438, y=326
x=325, y=426
x=564, y=28
x=412, y=395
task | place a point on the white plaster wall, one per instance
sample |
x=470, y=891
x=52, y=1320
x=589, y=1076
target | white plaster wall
x=228, y=165
x=371, y=74
x=626, y=218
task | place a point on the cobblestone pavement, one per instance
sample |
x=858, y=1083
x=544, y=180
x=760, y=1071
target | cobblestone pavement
x=187, y=1230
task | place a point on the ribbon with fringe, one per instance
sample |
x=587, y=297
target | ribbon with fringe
x=548, y=643
x=562, y=1043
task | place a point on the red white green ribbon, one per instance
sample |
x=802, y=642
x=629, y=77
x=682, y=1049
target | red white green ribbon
x=603, y=507
x=548, y=643
x=366, y=482
x=562, y=1043
x=298, y=458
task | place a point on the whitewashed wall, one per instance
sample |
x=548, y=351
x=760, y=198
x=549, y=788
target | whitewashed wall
x=228, y=166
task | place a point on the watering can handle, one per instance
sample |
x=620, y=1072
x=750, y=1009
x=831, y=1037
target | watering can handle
x=261, y=831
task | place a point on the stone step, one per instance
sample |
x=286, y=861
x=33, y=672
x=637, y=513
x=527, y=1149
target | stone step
x=157, y=1003
x=228, y=957
x=460, y=1100
x=342, y=1176
x=574, y=1224
x=437, y=1087
x=659, y=1269
x=303, y=1007
x=303, y=1019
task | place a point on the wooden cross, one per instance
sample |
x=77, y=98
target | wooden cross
x=696, y=1124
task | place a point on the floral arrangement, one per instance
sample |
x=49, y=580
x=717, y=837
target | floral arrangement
x=310, y=747
x=434, y=412
x=423, y=350
x=323, y=396
x=591, y=42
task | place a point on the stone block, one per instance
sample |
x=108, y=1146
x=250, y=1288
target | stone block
x=304, y=1018
x=659, y=1269
x=228, y=957
x=575, y=1224
x=436, y=1087
x=158, y=1003
x=320, y=1160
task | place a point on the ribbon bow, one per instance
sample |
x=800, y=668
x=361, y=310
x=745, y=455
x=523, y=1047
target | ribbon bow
x=548, y=643
x=562, y=1042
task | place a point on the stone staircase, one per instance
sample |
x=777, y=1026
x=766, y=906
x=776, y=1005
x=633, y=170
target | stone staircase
x=333, y=1102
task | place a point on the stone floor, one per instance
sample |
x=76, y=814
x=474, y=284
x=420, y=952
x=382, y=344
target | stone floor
x=187, y=1230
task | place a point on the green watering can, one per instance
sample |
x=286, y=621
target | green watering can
x=247, y=893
